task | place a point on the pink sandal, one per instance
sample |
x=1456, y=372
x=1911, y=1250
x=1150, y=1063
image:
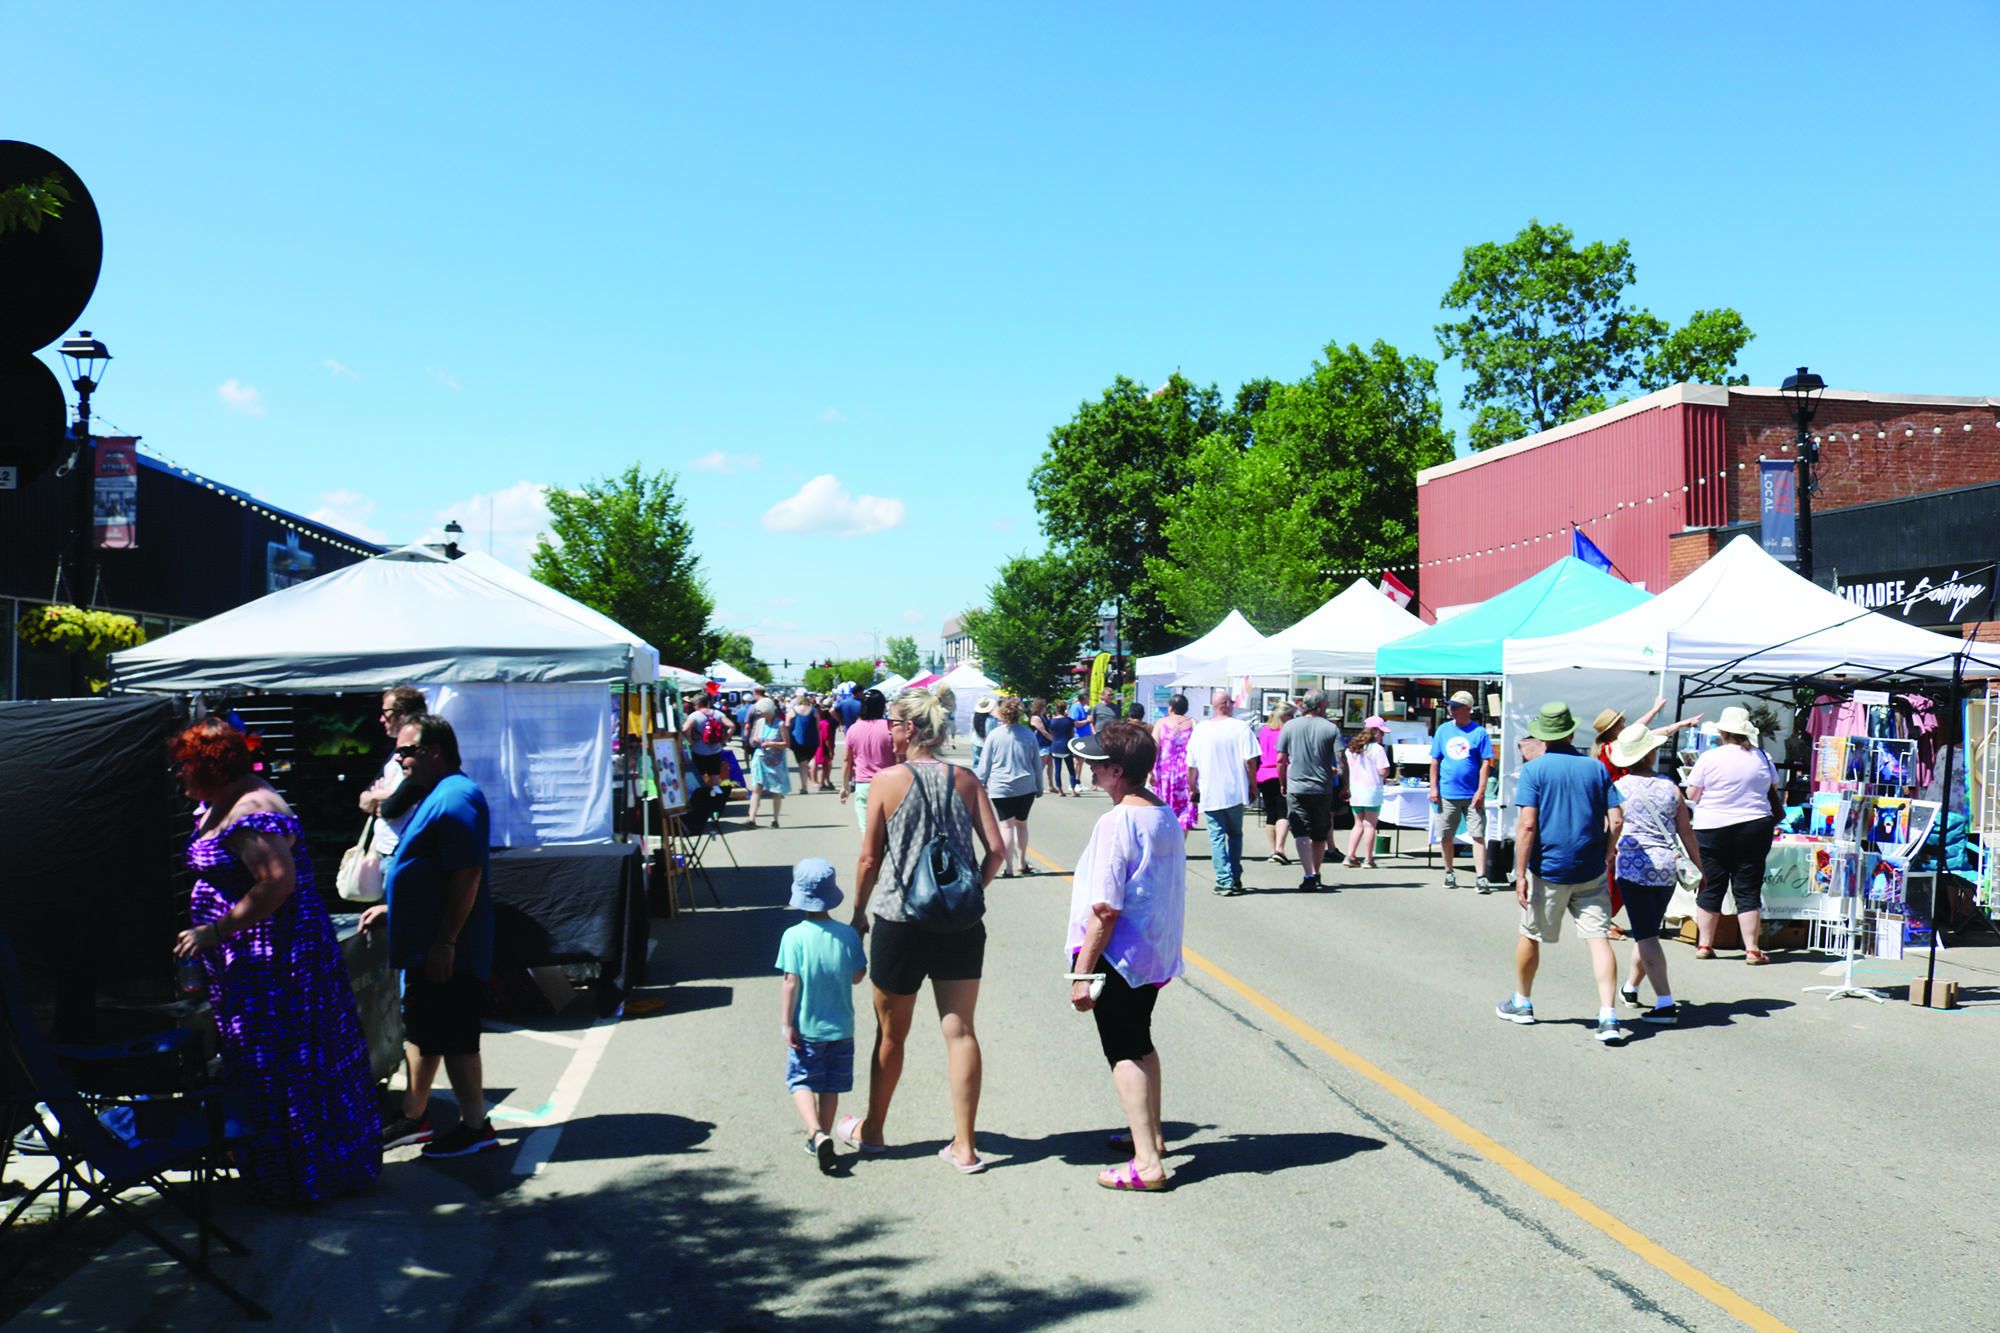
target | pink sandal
x=1127, y=1178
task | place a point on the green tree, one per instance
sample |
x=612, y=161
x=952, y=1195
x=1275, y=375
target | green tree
x=32, y=204
x=1038, y=617
x=1546, y=334
x=622, y=546
x=737, y=650
x=859, y=670
x=1107, y=481
x=1328, y=483
x=901, y=657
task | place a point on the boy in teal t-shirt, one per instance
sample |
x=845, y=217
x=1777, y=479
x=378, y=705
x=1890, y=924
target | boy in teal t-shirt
x=823, y=963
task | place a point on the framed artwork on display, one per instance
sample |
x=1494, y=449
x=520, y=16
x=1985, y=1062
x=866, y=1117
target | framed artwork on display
x=1353, y=709
x=671, y=761
x=1268, y=701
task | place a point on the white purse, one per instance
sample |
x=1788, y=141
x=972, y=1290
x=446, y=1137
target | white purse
x=360, y=876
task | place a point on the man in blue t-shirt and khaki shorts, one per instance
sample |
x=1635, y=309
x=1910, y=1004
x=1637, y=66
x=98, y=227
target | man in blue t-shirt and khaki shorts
x=1461, y=760
x=1566, y=825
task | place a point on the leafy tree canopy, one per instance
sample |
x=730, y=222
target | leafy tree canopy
x=1329, y=482
x=622, y=546
x=1105, y=486
x=901, y=657
x=32, y=204
x=1039, y=615
x=1546, y=334
x=737, y=650
x=823, y=678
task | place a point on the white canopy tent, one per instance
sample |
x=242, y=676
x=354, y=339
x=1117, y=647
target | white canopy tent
x=891, y=685
x=1742, y=615
x=729, y=678
x=681, y=677
x=967, y=684
x=1203, y=661
x=522, y=673
x=1339, y=639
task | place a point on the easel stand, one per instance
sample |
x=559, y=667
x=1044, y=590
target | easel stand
x=1853, y=923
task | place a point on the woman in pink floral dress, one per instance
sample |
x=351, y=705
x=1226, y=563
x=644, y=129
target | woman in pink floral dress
x=1170, y=779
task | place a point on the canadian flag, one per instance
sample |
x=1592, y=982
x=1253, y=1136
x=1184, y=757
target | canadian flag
x=1396, y=590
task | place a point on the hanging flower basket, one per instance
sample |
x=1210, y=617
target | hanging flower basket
x=72, y=629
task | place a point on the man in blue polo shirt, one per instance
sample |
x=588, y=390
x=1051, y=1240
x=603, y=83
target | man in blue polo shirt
x=1566, y=823
x=440, y=916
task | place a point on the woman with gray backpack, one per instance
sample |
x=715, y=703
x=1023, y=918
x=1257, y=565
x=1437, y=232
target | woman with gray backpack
x=926, y=822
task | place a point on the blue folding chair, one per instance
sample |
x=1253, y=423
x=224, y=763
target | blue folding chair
x=105, y=1148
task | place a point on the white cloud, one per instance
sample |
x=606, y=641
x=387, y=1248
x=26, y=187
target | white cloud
x=824, y=506
x=339, y=371
x=832, y=413
x=505, y=521
x=779, y=601
x=717, y=461
x=914, y=617
x=444, y=377
x=350, y=511
x=240, y=397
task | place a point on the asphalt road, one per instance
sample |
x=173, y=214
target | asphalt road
x=1357, y=1142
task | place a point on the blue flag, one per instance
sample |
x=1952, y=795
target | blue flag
x=1585, y=549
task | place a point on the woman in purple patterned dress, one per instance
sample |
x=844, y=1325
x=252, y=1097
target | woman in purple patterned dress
x=1170, y=780
x=276, y=983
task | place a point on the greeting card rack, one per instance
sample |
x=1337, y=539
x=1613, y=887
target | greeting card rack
x=1865, y=825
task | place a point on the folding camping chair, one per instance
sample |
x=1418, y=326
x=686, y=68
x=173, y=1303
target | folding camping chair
x=184, y=1132
x=696, y=831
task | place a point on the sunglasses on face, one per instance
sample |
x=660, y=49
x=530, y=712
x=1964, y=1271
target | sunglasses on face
x=408, y=751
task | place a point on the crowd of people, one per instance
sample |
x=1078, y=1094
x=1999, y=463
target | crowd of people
x=1597, y=832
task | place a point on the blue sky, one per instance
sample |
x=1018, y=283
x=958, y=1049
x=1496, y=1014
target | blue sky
x=389, y=265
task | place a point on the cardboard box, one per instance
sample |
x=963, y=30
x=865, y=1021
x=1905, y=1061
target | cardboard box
x=1920, y=994
x=554, y=985
x=1728, y=934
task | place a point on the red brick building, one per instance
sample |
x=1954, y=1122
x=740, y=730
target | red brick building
x=1650, y=480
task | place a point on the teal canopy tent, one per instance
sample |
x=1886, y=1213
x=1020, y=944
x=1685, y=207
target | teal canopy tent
x=1567, y=595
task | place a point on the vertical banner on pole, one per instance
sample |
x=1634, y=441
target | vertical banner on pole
x=1098, y=668
x=1778, y=502
x=115, y=501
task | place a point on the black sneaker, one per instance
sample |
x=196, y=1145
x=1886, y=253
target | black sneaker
x=823, y=1151
x=402, y=1131
x=462, y=1140
x=1666, y=1015
x=1629, y=994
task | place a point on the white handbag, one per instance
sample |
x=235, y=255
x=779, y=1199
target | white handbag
x=360, y=877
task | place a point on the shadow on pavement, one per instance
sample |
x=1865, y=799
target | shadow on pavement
x=1083, y=1147
x=1264, y=1154
x=696, y=1248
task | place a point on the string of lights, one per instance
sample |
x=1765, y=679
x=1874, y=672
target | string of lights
x=1720, y=477
x=317, y=531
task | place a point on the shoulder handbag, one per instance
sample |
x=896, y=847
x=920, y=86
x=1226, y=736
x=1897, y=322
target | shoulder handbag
x=944, y=894
x=360, y=877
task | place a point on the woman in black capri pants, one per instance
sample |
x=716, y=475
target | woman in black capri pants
x=1734, y=790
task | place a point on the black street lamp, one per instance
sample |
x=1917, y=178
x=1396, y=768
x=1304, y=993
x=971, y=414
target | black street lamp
x=86, y=359
x=1802, y=391
x=452, y=532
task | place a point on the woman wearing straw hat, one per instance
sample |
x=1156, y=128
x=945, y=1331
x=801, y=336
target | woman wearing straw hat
x=1734, y=787
x=1656, y=824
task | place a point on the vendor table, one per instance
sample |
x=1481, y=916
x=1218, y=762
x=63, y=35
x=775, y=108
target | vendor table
x=1410, y=807
x=573, y=904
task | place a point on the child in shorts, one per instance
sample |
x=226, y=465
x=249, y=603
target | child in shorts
x=823, y=963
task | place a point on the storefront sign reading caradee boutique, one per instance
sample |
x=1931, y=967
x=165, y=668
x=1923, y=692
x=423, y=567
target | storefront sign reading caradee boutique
x=1936, y=595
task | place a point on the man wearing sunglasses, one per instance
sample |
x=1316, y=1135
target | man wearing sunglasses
x=387, y=799
x=440, y=916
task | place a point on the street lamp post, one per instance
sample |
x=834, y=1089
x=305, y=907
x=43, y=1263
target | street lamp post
x=452, y=532
x=86, y=359
x=1802, y=391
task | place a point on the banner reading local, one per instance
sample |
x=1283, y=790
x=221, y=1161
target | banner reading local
x=115, y=502
x=1778, y=501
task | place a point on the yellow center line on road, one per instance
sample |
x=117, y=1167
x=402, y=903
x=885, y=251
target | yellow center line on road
x=1675, y=1267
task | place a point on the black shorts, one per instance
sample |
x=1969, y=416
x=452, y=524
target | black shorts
x=803, y=751
x=1645, y=905
x=443, y=1020
x=1273, y=794
x=1311, y=813
x=901, y=954
x=1013, y=807
x=709, y=765
x=1124, y=1015
x=1732, y=859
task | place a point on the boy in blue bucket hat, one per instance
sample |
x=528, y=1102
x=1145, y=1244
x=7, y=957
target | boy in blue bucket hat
x=823, y=963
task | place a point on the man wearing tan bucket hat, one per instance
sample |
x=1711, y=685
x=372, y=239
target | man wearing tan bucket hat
x=1566, y=825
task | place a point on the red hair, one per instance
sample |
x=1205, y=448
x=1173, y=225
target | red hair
x=213, y=753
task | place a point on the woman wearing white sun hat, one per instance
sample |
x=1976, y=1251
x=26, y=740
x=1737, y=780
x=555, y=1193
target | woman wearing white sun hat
x=1734, y=788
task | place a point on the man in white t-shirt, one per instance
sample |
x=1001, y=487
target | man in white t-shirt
x=1222, y=758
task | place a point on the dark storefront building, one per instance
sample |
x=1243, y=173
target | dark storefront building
x=189, y=548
